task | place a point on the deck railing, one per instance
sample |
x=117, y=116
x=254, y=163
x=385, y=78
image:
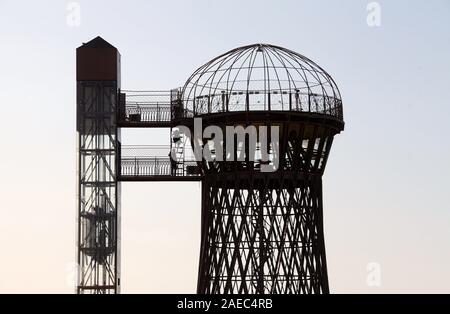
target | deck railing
x=153, y=161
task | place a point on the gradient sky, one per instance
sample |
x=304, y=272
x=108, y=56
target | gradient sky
x=386, y=189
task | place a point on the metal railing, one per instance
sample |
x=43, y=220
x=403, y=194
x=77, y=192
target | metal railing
x=153, y=161
x=147, y=113
x=146, y=166
x=166, y=106
x=147, y=106
x=265, y=101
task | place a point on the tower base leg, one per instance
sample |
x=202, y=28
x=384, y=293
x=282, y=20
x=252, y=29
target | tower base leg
x=262, y=235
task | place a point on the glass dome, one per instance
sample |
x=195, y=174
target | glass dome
x=261, y=77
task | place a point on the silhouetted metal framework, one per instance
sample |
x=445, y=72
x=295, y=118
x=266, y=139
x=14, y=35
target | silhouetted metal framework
x=98, y=188
x=261, y=78
x=261, y=232
x=98, y=83
x=153, y=163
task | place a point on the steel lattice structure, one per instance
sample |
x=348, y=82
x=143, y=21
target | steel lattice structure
x=262, y=239
x=98, y=186
x=261, y=77
x=261, y=232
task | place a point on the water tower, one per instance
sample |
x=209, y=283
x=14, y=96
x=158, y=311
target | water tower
x=262, y=232
x=262, y=212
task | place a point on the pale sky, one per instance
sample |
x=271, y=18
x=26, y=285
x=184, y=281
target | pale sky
x=386, y=183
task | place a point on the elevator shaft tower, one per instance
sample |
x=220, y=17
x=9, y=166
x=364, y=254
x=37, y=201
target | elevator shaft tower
x=98, y=83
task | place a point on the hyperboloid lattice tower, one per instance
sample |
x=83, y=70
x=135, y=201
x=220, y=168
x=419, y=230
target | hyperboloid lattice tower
x=262, y=216
x=262, y=232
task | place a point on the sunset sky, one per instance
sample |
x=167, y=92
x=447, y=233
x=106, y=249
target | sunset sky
x=386, y=186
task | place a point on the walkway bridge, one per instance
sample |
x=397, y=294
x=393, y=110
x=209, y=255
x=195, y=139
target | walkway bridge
x=165, y=109
x=153, y=109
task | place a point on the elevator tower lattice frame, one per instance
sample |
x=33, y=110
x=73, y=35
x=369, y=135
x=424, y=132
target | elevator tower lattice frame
x=98, y=82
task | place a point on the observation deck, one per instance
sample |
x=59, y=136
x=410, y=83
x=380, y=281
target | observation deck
x=252, y=84
x=165, y=109
x=153, y=109
x=146, y=109
x=153, y=163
